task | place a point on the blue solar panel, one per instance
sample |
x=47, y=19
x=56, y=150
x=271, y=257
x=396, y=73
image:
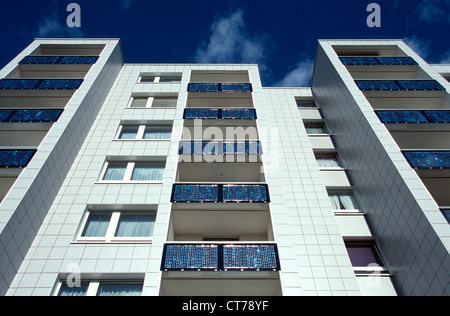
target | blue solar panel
x=5, y=114
x=420, y=85
x=377, y=85
x=190, y=257
x=396, y=61
x=18, y=84
x=401, y=117
x=250, y=257
x=428, y=159
x=437, y=116
x=249, y=114
x=41, y=60
x=201, y=114
x=203, y=87
x=253, y=193
x=236, y=87
x=60, y=84
x=359, y=61
x=47, y=60
x=15, y=158
x=78, y=60
x=35, y=116
x=195, y=193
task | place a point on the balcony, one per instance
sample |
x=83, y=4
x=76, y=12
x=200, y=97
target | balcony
x=40, y=84
x=219, y=87
x=433, y=168
x=220, y=257
x=232, y=222
x=220, y=193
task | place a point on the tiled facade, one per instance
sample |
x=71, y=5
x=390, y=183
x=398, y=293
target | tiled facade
x=45, y=215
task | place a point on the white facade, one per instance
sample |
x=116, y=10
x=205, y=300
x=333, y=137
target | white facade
x=114, y=154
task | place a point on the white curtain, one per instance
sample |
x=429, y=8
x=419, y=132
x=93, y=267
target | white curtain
x=343, y=202
x=118, y=289
x=156, y=133
x=96, y=225
x=328, y=162
x=128, y=133
x=335, y=201
x=348, y=202
x=135, y=226
x=147, y=172
x=115, y=171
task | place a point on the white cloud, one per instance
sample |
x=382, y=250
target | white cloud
x=421, y=47
x=230, y=43
x=300, y=76
x=433, y=11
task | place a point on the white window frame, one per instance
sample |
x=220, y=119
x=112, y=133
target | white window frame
x=128, y=172
x=149, y=104
x=112, y=227
x=140, y=132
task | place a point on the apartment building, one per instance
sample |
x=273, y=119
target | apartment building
x=194, y=179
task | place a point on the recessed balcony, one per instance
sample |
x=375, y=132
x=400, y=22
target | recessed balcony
x=229, y=223
x=433, y=167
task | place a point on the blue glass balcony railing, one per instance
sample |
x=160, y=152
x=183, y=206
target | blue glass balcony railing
x=414, y=116
x=220, y=193
x=399, y=85
x=220, y=87
x=61, y=60
x=40, y=84
x=219, y=148
x=377, y=61
x=220, y=257
x=219, y=114
x=15, y=158
x=29, y=116
x=428, y=159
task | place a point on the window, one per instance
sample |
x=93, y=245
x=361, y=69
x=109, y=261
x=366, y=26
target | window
x=364, y=255
x=153, y=102
x=157, y=78
x=328, y=161
x=102, y=288
x=116, y=226
x=343, y=201
x=306, y=104
x=318, y=128
x=134, y=171
x=140, y=132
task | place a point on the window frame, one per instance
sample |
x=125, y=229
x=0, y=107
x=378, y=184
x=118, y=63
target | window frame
x=150, y=101
x=93, y=286
x=129, y=172
x=141, y=129
x=378, y=267
x=113, y=225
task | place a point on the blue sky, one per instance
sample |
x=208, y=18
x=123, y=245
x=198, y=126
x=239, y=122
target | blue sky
x=279, y=35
